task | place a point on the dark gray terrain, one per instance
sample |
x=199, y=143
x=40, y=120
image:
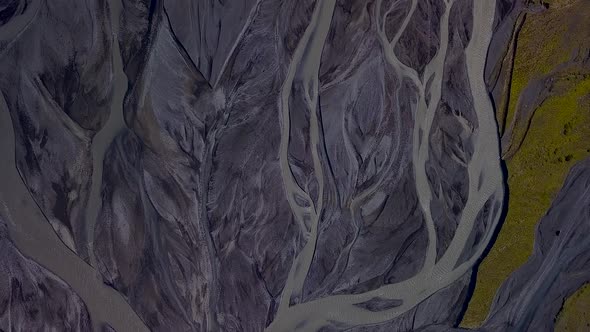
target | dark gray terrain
x=55, y=75
x=34, y=299
x=271, y=165
x=302, y=174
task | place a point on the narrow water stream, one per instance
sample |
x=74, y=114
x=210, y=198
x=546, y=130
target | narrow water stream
x=102, y=140
x=34, y=236
x=484, y=165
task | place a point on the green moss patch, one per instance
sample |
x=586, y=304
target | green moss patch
x=559, y=136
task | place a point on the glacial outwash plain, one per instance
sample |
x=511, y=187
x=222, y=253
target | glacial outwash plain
x=295, y=165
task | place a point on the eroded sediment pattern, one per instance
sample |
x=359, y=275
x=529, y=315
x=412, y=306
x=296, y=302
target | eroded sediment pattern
x=313, y=165
x=337, y=164
x=32, y=298
x=55, y=74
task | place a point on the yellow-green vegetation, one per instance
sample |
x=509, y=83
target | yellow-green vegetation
x=575, y=315
x=541, y=44
x=559, y=135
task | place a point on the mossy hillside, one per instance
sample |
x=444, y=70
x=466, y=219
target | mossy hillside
x=558, y=137
x=540, y=47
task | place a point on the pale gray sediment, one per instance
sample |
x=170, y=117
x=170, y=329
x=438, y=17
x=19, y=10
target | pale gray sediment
x=304, y=67
x=105, y=136
x=34, y=237
x=34, y=299
x=485, y=183
x=280, y=165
